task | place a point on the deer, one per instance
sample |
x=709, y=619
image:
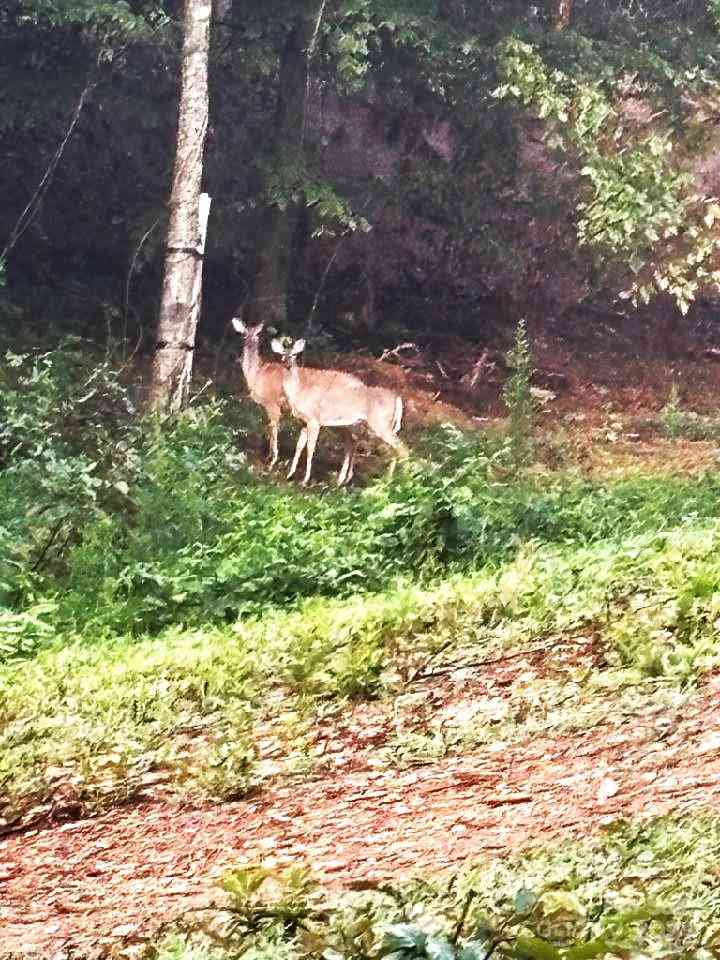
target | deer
x=332, y=398
x=264, y=380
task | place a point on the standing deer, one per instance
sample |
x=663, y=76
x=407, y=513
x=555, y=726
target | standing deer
x=332, y=398
x=264, y=380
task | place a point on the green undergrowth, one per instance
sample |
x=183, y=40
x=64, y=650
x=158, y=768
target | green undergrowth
x=635, y=890
x=182, y=708
x=678, y=423
x=197, y=542
x=115, y=526
x=161, y=602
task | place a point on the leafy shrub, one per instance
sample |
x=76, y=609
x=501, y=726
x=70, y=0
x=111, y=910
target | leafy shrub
x=645, y=890
x=518, y=397
x=23, y=633
x=63, y=415
x=131, y=526
x=676, y=423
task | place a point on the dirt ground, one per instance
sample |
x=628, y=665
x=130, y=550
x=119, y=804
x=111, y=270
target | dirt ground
x=78, y=888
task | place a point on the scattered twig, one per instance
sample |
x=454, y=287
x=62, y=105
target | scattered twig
x=131, y=271
x=451, y=668
x=477, y=369
x=55, y=530
x=396, y=351
x=309, y=327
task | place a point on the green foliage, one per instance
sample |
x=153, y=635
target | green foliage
x=130, y=528
x=332, y=212
x=349, y=40
x=645, y=890
x=22, y=633
x=677, y=423
x=62, y=418
x=151, y=584
x=178, y=948
x=714, y=11
x=362, y=32
x=106, y=18
x=518, y=398
x=289, y=181
x=639, y=206
x=652, y=601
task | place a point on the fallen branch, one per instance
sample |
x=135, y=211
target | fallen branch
x=477, y=368
x=396, y=351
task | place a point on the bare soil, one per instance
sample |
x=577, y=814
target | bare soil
x=79, y=888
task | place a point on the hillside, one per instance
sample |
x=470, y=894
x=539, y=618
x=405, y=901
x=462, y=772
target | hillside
x=531, y=653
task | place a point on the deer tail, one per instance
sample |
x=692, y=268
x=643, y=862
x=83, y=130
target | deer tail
x=397, y=416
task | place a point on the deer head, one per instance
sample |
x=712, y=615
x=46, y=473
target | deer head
x=288, y=354
x=246, y=330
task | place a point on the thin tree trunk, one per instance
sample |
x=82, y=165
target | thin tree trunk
x=562, y=14
x=271, y=275
x=182, y=283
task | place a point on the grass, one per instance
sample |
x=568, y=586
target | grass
x=676, y=422
x=634, y=890
x=109, y=717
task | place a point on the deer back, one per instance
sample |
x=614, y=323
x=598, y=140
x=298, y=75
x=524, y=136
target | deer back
x=335, y=398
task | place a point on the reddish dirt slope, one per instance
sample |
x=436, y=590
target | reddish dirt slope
x=83, y=886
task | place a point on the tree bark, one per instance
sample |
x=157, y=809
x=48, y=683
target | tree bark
x=272, y=268
x=562, y=13
x=182, y=282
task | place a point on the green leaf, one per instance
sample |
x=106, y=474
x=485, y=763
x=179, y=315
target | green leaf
x=405, y=936
x=437, y=949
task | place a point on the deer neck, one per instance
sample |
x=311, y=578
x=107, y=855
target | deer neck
x=291, y=382
x=251, y=362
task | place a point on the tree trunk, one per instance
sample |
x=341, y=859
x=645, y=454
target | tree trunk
x=271, y=273
x=182, y=282
x=561, y=14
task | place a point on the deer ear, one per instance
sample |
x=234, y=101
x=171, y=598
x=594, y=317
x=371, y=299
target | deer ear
x=297, y=347
x=277, y=346
x=238, y=325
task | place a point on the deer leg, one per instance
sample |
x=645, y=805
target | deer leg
x=313, y=429
x=345, y=470
x=351, y=466
x=274, y=418
x=302, y=440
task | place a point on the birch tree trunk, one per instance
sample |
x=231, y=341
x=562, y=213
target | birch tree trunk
x=182, y=282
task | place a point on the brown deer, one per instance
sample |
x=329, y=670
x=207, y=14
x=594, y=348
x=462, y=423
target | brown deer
x=264, y=380
x=332, y=398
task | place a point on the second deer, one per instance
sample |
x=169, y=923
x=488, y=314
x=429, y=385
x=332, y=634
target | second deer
x=332, y=398
x=264, y=380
